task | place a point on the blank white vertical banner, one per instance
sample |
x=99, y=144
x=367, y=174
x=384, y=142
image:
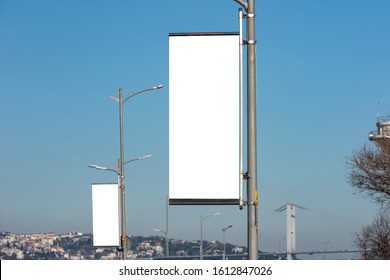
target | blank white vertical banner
x=204, y=118
x=105, y=215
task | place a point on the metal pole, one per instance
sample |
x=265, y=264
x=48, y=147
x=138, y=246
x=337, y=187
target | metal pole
x=241, y=205
x=224, y=241
x=122, y=175
x=120, y=208
x=324, y=244
x=166, y=227
x=121, y=171
x=201, y=232
x=251, y=176
x=201, y=238
x=252, y=144
x=224, y=245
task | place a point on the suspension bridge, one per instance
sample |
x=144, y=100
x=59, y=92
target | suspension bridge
x=298, y=232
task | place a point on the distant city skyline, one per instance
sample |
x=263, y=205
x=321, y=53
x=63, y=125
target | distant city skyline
x=323, y=71
x=78, y=246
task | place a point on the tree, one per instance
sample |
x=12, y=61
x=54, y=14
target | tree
x=370, y=175
x=374, y=239
x=370, y=171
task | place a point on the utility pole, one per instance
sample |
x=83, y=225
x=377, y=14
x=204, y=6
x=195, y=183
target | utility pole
x=251, y=175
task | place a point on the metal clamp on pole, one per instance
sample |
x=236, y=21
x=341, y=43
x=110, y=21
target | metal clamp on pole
x=246, y=175
x=249, y=42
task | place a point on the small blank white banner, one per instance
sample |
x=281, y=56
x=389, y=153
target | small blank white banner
x=105, y=214
x=204, y=118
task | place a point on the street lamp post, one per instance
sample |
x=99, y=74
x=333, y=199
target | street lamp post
x=224, y=241
x=323, y=247
x=122, y=249
x=166, y=227
x=201, y=232
x=280, y=240
x=120, y=101
x=166, y=240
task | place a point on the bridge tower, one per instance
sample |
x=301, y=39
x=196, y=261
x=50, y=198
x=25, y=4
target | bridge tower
x=290, y=235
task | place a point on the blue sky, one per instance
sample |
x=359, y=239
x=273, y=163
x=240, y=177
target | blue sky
x=323, y=78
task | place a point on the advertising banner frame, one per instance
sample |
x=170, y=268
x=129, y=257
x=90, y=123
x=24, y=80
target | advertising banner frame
x=204, y=116
x=105, y=215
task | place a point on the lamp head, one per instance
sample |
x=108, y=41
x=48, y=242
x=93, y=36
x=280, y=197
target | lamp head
x=97, y=167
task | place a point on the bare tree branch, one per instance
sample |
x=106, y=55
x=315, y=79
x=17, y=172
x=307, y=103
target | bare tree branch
x=369, y=172
x=374, y=239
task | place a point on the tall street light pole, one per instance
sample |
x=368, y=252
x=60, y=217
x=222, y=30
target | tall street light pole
x=251, y=176
x=224, y=241
x=120, y=101
x=123, y=209
x=201, y=232
x=166, y=240
x=166, y=227
x=323, y=245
